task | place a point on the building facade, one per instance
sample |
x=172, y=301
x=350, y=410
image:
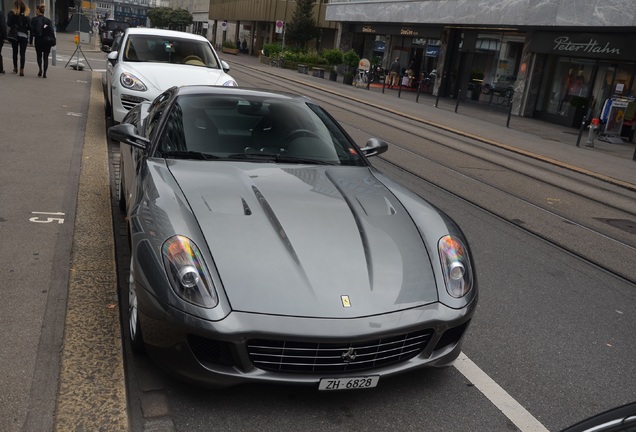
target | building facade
x=556, y=59
x=258, y=22
x=562, y=58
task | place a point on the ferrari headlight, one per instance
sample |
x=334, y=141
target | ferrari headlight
x=188, y=273
x=458, y=274
x=230, y=83
x=131, y=82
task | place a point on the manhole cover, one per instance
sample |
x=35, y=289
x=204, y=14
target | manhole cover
x=622, y=224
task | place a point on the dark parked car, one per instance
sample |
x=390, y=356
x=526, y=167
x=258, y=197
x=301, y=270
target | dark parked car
x=504, y=84
x=265, y=247
x=620, y=419
x=109, y=31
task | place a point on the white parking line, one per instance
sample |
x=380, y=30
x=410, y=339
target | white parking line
x=498, y=396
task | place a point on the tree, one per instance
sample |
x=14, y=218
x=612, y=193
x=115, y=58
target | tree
x=302, y=28
x=173, y=19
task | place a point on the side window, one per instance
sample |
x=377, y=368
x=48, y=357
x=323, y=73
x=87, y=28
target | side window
x=117, y=43
x=172, y=138
x=156, y=112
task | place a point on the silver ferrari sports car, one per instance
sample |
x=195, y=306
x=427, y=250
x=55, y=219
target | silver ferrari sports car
x=265, y=247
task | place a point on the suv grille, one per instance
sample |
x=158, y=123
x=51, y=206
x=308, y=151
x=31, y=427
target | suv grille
x=310, y=357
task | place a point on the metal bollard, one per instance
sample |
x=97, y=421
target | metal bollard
x=590, y=136
x=578, y=139
x=459, y=94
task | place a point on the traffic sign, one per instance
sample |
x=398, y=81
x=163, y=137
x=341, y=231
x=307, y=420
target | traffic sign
x=279, y=26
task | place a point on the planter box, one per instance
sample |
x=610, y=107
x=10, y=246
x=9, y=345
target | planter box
x=318, y=72
x=234, y=51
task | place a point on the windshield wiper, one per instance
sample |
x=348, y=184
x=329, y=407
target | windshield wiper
x=180, y=154
x=277, y=157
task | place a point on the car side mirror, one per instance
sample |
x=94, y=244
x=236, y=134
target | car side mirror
x=127, y=134
x=374, y=147
x=112, y=57
x=225, y=66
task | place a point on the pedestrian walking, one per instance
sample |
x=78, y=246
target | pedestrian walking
x=19, y=25
x=3, y=36
x=394, y=73
x=410, y=72
x=42, y=29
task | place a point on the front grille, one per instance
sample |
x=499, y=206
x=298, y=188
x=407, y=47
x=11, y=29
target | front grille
x=129, y=101
x=320, y=358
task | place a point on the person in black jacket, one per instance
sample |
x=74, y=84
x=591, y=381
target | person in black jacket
x=3, y=36
x=41, y=26
x=18, y=18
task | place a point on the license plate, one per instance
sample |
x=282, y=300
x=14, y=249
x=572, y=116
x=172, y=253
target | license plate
x=348, y=383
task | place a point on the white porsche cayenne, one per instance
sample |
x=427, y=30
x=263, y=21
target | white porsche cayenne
x=143, y=62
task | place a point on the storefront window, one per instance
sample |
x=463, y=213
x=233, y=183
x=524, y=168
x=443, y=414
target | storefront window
x=567, y=86
x=496, y=61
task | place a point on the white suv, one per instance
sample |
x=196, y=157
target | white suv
x=144, y=62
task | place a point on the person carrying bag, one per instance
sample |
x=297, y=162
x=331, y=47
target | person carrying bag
x=44, y=35
x=20, y=25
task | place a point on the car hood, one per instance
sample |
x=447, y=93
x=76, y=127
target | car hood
x=162, y=76
x=307, y=241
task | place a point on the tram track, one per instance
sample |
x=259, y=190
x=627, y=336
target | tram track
x=586, y=216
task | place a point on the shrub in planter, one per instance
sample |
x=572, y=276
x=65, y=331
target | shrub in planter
x=333, y=57
x=271, y=49
x=351, y=61
x=347, y=78
x=229, y=44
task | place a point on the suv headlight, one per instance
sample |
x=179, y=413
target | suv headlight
x=230, y=83
x=131, y=82
x=458, y=273
x=187, y=272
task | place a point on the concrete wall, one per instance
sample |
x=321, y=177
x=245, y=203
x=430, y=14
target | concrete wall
x=564, y=13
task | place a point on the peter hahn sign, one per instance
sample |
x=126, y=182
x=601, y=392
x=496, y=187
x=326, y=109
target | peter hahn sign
x=590, y=45
x=593, y=46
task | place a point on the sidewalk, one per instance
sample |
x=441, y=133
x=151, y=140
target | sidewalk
x=537, y=139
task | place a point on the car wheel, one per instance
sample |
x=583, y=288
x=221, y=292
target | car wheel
x=121, y=200
x=109, y=113
x=134, y=327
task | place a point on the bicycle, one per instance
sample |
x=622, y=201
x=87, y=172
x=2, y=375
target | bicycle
x=504, y=98
x=361, y=78
x=278, y=62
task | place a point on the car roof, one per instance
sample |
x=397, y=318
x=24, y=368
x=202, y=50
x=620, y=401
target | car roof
x=238, y=91
x=162, y=32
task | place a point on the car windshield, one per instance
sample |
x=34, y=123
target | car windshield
x=154, y=48
x=255, y=128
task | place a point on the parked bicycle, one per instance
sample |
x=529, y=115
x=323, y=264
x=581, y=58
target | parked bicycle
x=277, y=61
x=505, y=97
x=362, y=78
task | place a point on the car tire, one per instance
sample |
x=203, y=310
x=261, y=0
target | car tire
x=134, y=326
x=121, y=200
x=109, y=113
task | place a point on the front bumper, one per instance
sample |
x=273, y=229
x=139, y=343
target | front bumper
x=221, y=354
x=125, y=100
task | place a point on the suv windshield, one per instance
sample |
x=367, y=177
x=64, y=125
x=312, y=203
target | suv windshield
x=152, y=48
